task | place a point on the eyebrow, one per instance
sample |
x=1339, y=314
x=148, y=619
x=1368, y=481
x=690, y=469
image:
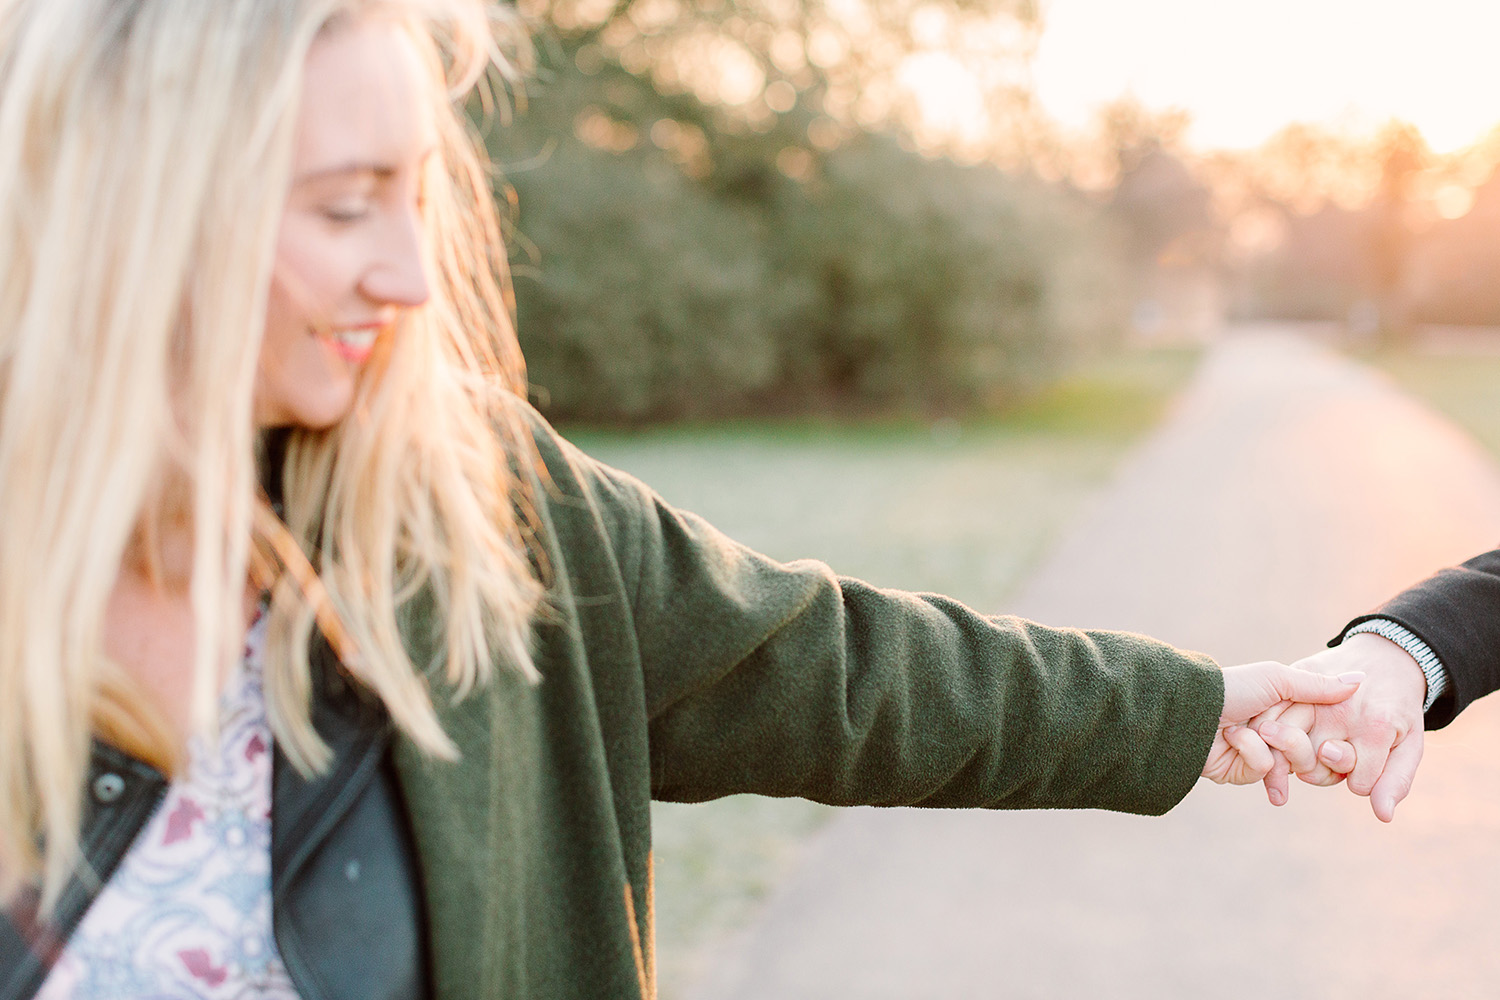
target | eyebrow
x=379, y=169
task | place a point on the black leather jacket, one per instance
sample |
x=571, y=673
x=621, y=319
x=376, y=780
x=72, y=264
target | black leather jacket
x=345, y=890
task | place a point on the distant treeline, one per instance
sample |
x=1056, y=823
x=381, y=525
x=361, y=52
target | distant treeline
x=671, y=260
x=1379, y=232
x=1337, y=263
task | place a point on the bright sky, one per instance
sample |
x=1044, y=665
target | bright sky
x=1244, y=68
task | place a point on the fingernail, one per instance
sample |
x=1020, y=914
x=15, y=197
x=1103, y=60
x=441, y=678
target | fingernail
x=1331, y=754
x=1271, y=729
x=1276, y=797
x=1352, y=677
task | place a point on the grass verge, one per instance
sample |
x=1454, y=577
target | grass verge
x=1465, y=387
x=964, y=509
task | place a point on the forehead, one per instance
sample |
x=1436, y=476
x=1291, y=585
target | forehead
x=366, y=98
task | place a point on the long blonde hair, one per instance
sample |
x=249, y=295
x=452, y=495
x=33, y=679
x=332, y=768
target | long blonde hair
x=145, y=151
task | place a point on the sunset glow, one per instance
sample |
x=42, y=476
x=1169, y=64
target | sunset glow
x=1244, y=69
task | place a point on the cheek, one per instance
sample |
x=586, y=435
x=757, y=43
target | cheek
x=282, y=317
x=298, y=381
x=288, y=332
x=310, y=277
x=303, y=297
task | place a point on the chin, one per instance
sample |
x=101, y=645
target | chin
x=306, y=412
x=323, y=415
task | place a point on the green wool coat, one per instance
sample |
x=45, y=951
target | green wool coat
x=679, y=665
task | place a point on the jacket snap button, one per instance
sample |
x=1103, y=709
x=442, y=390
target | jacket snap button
x=108, y=788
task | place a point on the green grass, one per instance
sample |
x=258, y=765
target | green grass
x=1463, y=387
x=965, y=509
x=1116, y=399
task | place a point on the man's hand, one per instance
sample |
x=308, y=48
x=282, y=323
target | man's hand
x=1375, y=738
x=1239, y=754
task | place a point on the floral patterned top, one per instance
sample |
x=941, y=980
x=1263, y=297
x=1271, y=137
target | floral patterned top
x=188, y=912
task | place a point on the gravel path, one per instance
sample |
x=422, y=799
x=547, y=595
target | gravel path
x=1289, y=491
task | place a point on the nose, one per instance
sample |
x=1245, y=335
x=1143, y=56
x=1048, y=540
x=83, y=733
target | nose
x=398, y=276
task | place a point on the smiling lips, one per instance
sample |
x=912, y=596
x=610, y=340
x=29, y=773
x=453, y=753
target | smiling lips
x=354, y=344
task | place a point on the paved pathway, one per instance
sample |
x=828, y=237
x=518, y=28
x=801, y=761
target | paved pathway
x=1289, y=491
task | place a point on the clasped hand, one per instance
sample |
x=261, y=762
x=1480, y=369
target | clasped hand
x=1265, y=728
x=1369, y=732
x=1374, y=738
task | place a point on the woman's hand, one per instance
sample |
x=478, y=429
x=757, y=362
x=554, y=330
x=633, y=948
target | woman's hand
x=1239, y=754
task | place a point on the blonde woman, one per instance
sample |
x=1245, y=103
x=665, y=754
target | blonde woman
x=326, y=668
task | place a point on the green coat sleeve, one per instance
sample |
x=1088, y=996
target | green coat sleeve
x=786, y=679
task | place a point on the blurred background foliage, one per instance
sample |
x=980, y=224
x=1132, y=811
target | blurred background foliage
x=707, y=225
x=730, y=207
x=1377, y=233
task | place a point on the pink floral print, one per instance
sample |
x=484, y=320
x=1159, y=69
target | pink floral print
x=188, y=913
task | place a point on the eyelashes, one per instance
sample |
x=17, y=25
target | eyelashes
x=349, y=211
x=344, y=214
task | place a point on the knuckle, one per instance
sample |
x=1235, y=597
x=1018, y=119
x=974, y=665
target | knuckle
x=1379, y=727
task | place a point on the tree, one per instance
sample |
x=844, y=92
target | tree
x=845, y=59
x=669, y=265
x=1403, y=153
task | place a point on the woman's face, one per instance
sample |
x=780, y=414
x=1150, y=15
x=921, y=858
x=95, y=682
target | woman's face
x=350, y=255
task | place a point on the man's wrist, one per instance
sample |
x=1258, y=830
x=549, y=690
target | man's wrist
x=1427, y=661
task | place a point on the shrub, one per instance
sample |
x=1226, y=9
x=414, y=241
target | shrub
x=655, y=283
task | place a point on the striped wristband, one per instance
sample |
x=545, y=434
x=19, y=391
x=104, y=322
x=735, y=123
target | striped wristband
x=1432, y=667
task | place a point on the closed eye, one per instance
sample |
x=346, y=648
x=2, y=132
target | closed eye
x=344, y=215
